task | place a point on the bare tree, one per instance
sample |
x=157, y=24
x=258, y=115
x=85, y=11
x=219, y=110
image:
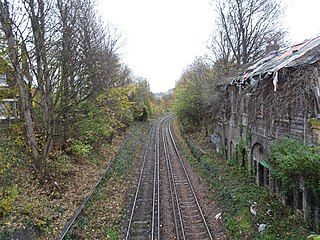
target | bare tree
x=87, y=56
x=62, y=55
x=243, y=27
x=87, y=53
x=15, y=58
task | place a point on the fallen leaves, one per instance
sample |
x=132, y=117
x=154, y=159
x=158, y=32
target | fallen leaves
x=51, y=204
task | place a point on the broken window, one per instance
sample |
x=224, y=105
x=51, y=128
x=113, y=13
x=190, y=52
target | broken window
x=261, y=175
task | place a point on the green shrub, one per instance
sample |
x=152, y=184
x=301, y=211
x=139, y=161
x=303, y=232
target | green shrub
x=79, y=148
x=9, y=196
x=91, y=126
x=237, y=194
x=291, y=159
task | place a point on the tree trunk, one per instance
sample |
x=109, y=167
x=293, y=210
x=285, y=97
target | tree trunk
x=37, y=18
x=25, y=99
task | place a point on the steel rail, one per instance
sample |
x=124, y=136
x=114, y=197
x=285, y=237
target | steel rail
x=156, y=186
x=153, y=132
x=173, y=189
x=188, y=180
x=158, y=173
x=139, y=183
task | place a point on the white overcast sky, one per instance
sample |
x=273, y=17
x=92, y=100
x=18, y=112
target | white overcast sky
x=162, y=37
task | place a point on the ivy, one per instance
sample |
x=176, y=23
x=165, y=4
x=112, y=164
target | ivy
x=9, y=158
x=291, y=159
x=239, y=148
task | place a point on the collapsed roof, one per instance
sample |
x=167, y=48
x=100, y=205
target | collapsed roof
x=307, y=52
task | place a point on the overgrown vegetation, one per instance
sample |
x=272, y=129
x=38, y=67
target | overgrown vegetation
x=10, y=158
x=291, y=160
x=196, y=96
x=202, y=102
x=245, y=206
x=63, y=66
x=105, y=211
x=75, y=98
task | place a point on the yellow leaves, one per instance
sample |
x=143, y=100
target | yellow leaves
x=120, y=97
x=18, y=133
x=117, y=106
x=40, y=223
x=37, y=212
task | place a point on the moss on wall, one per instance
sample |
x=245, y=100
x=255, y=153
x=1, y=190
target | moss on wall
x=315, y=127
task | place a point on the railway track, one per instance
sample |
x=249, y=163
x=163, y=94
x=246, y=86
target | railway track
x=144, y=221
x=191, y=223
x=165, y=205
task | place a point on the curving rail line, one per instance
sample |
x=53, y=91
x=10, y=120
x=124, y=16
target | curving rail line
x=165, y=204
x=144, y=220
x=192, y=223
x=163, y=171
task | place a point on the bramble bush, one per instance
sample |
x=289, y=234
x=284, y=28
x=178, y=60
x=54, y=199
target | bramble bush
x=79, y=148
x=291, y=159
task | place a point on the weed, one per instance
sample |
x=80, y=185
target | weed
x=9, y=196
x=237, y=193
x=97, y=213
x=111, y=234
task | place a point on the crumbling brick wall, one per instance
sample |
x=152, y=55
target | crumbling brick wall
x=255, y=116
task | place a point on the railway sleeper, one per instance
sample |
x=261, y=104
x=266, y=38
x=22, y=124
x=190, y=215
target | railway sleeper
x=202, y=234
x=142, y=200
x=183, y=184
x=189, y=197
x=145, y=210
x=204, y=237
x=185, y=198
x=199, y=222
x=190, y=208
x=187, y=202
x=140, y=234
x=140, y=225
x=197, y=230
x=189, y=212
x=193, y=218
x=184, y=181
x=140, y=237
